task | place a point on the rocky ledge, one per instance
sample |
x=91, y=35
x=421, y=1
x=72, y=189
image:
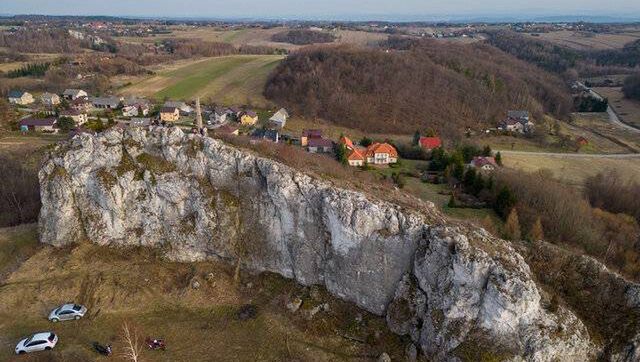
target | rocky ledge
x=456, y=291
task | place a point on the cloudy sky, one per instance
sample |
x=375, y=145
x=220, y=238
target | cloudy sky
x=320, y=8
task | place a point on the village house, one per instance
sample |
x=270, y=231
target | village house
x=517, y=121
x=484, y=163
x=106, y=102
x=219, y=116
x=182, y=107
x=21, y=98
x=78, y=117
x=81, y=105
x=39, y=125
x=308, y=134
x=49, y=99
x=381, y=154
x=581, y=141
x=429, y=143
x=279, y=119
x=376, y=154
x=319, y=145
x=266, y=134
x=73, y=94
x=135, y=110
x=169, y=114
x=249, y=118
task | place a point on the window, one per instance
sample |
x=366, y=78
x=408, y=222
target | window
x=36, y=343
x=77, y=307
x=52, y=336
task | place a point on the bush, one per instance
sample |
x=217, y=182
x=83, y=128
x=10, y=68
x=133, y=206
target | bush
x=631, y=87
x=19, y=194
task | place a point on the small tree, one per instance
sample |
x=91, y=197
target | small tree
x=486, y=151
x=469, y=177
x=366, y=141
x=66, y=124
x=341, y=154
x=416, y=138
x=536, y=232
x=512, y=226
x=132, y=345
x=499, y=159
x=505, y=200
x=452, y=202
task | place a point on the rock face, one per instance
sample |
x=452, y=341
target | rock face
x=456, y=291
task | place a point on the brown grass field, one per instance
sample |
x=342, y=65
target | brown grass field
x=155, y=297
x=628, y=110
x=598, y=124
x=573, y=171
x=590, y=41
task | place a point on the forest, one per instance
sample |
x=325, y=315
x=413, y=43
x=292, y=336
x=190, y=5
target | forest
x=631, y=87
x=565, y=61
x=444, y=86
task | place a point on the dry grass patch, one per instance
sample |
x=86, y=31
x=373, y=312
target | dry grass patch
x=628, y=110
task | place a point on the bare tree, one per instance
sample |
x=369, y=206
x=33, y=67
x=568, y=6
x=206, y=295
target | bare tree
x=132, y=344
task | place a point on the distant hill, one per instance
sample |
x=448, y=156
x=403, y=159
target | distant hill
x=434, y=84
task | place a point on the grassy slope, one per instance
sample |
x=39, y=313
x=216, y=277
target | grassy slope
x=231, y=80
x=155, y=296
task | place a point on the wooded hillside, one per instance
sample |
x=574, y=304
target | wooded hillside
x=437, y=85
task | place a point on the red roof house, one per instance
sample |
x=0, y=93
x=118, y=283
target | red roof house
x=429, y=143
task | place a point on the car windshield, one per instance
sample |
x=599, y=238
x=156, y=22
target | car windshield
x=28, y=340
x=52, y=336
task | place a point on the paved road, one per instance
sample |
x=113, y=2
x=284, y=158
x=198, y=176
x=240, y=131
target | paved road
x=613, y=116
x=572, y=155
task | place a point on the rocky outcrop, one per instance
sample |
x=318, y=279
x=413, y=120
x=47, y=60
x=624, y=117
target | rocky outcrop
x=455, y=290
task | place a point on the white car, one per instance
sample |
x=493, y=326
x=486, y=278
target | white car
x=67, y=312
x=43, y=341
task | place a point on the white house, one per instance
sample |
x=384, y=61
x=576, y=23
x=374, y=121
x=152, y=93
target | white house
x=73, y=94
x=78, y=117
x=50, y=99
x=279, y=119
x=20, y=97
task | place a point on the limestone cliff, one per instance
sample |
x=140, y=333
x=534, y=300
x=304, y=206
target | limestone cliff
x=453, y=289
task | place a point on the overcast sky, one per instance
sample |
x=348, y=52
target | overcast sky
x=319, y=8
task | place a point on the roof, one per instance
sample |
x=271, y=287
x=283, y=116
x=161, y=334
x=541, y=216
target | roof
x=480, y=161
x=71, y=91
x=38, y=121
x=251, y=114
x=381, y=148
x=266, y=134
x=16, y=94
x=518, y=114
x=355, y=155
x=113, y=101
x=347, y=142
x=134, y=101
x=430, y=142
x=79, y=101
x=175, y=104
x=168, y=110
x=320, y=142
x=49, y=95
x=227, y=129
x=280, y=116
x=312, y=133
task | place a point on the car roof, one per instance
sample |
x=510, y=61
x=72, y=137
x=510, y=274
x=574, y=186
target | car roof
x=40, y=336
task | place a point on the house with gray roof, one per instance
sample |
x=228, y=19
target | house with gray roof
x=279, y=119
x=20, y=97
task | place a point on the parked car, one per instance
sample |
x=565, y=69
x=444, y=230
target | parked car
x=67, y=312
x=43, y=341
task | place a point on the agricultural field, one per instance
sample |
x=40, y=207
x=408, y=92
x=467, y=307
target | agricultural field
x=598, y=124
x=237, y=79
x=155, y=297
x=628, y=110
x=570, y=169
x=590, y=41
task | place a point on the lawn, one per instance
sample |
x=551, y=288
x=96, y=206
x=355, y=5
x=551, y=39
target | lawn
x=237, y=79
x=589, y=41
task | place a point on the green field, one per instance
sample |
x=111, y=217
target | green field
x=237, y=79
